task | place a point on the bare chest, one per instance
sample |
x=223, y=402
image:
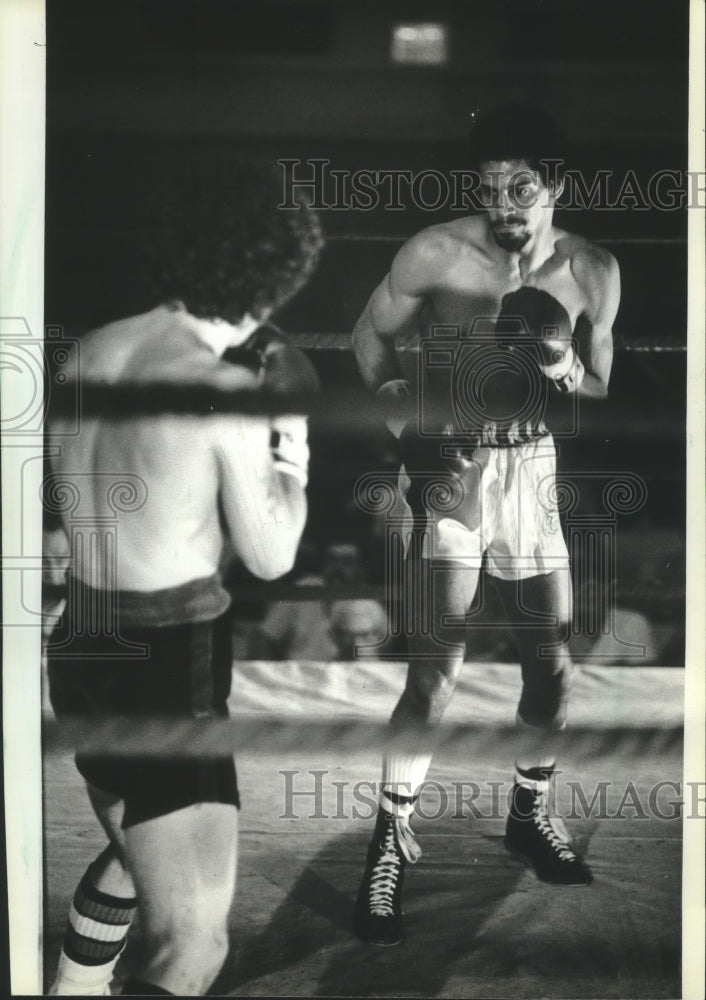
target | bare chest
x=470, y=296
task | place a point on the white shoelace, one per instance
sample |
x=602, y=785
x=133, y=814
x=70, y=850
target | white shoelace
x=383, y=882
x=407, y=841
x=554, y=837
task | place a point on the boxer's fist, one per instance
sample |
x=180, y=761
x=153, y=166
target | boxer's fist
x=419, y=453
x=534, y=312
x=561, y=365
x=432, y=454
x=290, y=447
x=396, y=398
x=284, y=368
x=280, y=366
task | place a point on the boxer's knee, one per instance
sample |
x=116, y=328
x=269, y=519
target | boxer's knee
x=185, y=951
x=429, y=689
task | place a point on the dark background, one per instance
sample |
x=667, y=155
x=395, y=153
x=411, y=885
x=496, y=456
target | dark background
x=135, y=88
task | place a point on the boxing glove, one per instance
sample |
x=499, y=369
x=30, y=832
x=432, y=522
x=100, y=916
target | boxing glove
x=290, y=447
x=436, y=454
x=561, y=364
x=282, y=369
x=540, y=316
x=419, y=453
x=286, y=370
x=396, y=399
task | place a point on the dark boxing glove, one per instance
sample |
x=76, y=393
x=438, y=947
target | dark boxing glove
x=434, y=455
x=282, y=369
x=539, y=315
x=285, y=368
x=420, y=453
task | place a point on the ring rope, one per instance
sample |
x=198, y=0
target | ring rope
x=277, y=735
x=342, y=342
x=341, y=410
x=602, y=241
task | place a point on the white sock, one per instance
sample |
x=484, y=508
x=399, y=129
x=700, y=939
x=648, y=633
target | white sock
x=402, y=774
x=95, y=937
x=534, y=776
x=76, y=979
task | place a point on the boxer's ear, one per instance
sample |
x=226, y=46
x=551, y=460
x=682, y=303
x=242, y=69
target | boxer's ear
x=556, y=188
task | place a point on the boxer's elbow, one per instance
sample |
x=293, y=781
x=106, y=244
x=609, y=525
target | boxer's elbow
x=278, y=543
x=269, y=562
x=600, y=387
x=594, y=386
x=275, y=559
x=271, y=569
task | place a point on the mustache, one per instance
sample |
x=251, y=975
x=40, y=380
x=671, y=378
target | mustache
x=512, y=221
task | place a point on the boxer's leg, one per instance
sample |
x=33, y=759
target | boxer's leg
x=444, y=557
x=533, y=830
x=435, y=589
x=436, y=649
x=184, y=866
x=102, y=908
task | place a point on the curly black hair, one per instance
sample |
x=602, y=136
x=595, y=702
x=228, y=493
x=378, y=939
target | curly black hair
x=223, y=247
x=519, y=131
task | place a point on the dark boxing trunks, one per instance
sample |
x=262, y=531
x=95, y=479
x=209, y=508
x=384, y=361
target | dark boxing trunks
x=186, y=673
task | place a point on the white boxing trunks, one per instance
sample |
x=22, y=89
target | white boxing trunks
x=504, y=505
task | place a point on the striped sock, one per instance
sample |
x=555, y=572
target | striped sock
x=95, y=936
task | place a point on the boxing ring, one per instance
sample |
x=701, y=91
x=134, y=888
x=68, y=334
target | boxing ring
x=308, y=739
x=308, y=735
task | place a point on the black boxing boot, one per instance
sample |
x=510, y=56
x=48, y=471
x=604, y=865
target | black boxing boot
x=540, y=839
x=378, y=909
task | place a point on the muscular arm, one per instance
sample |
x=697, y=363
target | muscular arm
x=392, y=306
x=600, y=276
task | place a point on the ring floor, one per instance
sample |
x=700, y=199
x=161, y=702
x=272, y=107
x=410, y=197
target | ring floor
x=478, y=923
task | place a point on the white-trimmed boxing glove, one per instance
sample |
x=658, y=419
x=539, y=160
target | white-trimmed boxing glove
x=535, y=311
x=561, y=365
x=283, y=369
x=290, y=447
x=395, y=395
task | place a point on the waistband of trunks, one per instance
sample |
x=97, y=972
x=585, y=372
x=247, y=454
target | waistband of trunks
x=194, y=601
x=496, y=437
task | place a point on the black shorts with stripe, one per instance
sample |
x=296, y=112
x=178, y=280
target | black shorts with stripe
x=184, y=671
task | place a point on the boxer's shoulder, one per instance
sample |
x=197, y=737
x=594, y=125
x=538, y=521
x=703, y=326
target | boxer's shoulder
x=434, y=249
x=586, y=258
x=593, y=267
